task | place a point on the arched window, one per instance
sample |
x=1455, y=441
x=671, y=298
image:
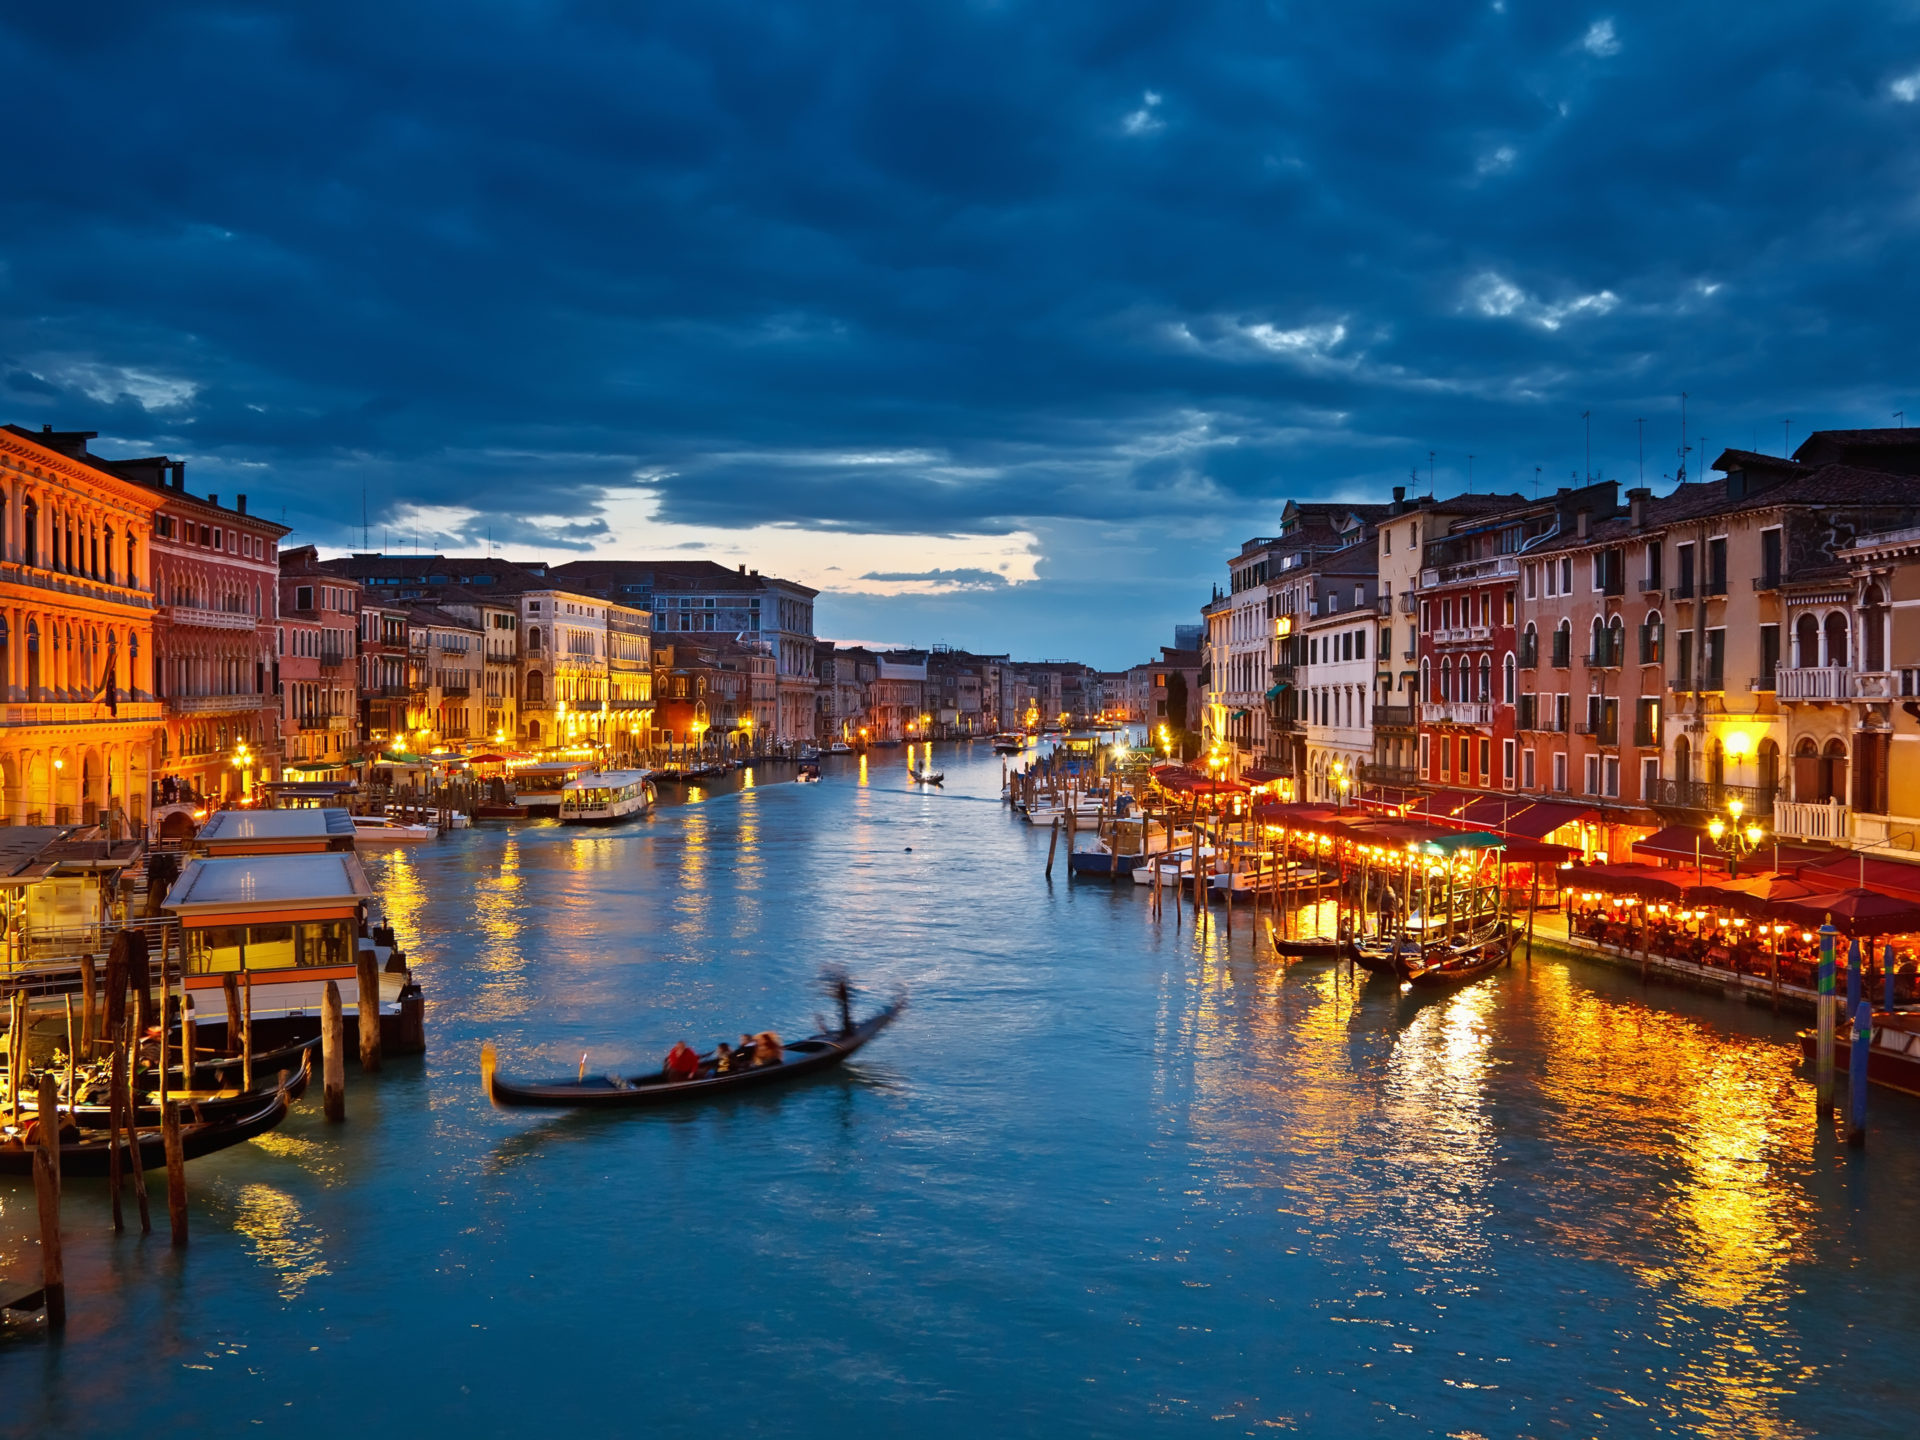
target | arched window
x=1806, y=772
x=1652, y=639
x=1446, y=680
x=30, y=531
x=1426, y=678
x=1682, y=761
x=1833, y=771
x=1806, y=642
x=1836, y=638
x=1597, y=643
x=33, y=661
x=1563, y=645
x=1873, y=630
x=1486, y=680
x=1616, y=641
x=1767, y=762
x=106, y=556
x=536, y=688
x=1530, y=646
x=1510, y=671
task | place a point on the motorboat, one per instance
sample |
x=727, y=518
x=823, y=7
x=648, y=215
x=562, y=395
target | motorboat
x=809, y=775
x=840, y=747
x=606, y=797
x=384, y=830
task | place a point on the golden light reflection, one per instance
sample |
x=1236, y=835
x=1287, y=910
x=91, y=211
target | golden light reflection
x=281, y=1239
x=863, y=767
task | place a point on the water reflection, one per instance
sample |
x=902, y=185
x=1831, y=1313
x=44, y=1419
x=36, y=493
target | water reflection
x=281, y=1239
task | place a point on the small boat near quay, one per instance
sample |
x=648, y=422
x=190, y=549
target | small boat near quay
x=1893, y=1054
x=800, y=1058
x=374, y=830
x=91, y=1155
x=606, y=797
x=90, y=1112
x=928, y=777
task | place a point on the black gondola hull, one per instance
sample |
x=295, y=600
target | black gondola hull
x=91, y=1157
x=812, y=1056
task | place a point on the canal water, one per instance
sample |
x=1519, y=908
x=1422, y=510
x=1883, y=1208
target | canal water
x=1106, y=1177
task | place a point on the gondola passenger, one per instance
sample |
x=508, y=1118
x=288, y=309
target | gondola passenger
x=683, y=1062
x=766, y=1049
x=722, y=1057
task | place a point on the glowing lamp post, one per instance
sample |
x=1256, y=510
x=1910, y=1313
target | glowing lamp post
x=1734, y=840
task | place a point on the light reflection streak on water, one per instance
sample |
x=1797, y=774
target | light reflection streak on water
x=1728, y=1221
x=497, y=906
x=280, y=1238
x=402, y=896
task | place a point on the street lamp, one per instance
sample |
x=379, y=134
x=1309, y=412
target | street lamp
x=1734, y=840
x=1341, y=780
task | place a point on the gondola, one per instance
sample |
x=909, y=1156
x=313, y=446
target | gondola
x=90, y=1157
x=1435, y=967
x=229, y=1104
x=614, y=1092
x=923, y=777
x=1308, y=947
x=809, y=774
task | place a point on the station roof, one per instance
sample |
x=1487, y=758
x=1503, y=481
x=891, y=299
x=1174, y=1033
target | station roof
x=261, y=886
x=264, y=831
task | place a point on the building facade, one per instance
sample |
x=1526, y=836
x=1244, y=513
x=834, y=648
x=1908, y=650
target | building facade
x=81, y=722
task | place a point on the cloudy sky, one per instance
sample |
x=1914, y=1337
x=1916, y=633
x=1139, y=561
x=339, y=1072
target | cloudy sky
x=1000, y=322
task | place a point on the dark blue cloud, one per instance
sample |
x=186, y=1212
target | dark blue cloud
x=1123, y=275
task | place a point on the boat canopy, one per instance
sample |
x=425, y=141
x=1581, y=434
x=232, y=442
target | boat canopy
x=266, y=832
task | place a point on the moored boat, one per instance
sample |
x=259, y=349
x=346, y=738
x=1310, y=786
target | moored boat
x=800, y=1058
x=373, y=830
x=1893, y=1056
x=92, y=1155
x=606, y=797
x=537, y=788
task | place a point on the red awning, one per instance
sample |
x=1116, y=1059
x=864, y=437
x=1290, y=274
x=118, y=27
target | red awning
x=1642, y=880
x=1542, y=818
x=1446, y=807
x=1676, y=842
x=1841, y=870
x=1262, y=777
x=1387, y=797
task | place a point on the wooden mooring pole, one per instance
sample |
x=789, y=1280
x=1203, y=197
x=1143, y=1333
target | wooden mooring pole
x=1053, y=844
x=176, y=1170
x=333, y=1044
x=1823, y=1048
x=46, y=1191
x=367, y=1013
x=1858, y=1053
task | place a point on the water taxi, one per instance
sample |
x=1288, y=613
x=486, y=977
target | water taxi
x=537, y=788
x=380, y=830
x=604, y=797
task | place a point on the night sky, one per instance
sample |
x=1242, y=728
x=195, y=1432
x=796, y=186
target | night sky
x=1002, y=323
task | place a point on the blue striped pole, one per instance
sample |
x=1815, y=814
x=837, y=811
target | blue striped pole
x=1823, y=1049
x=1856, y=986
x=1857, y=1054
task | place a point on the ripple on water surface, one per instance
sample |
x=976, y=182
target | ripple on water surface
x=1106, y=1176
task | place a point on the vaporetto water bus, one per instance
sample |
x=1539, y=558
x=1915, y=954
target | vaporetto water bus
x=603, y=797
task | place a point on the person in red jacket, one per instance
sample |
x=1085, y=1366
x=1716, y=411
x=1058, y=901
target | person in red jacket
x=683, y=1062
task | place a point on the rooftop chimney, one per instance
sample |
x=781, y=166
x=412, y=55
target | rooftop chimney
x=1399, y=494
x=240, y=503
x=213, y=499
x=743, y=569
x=1637, y=506
x=179, y=474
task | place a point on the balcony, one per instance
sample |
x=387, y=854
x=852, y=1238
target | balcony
x=1456, y=712
x=1604, y=732
x=1453, y=635
x=211, y=619
x=339, y=722
x=83, y=712
x=1829, y=821
x=1608, y=657
x=214, y=704
x=1682, y=684
x=1704, y=795
x=1526, y=714
x=1771, y=581
x=1393, y=717
x=1409, y=603
x=1818, y=684
x=1383, y=605
x=1388, y=775
x=456, y=692
x=332, y=659
x=1682, y=591
x=1562, y=651
x=1492, y=568
x=1650, y=585
x=1412, y=652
